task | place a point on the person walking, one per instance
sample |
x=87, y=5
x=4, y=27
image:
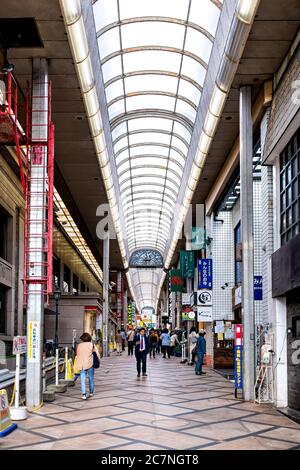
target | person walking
x=119, y=342
x=200, y=351
x=192, y=344
x=153, y=341
x=84, y=363
x=130, y=341
x=141, y=350
x=123, y=339
x=173, y=341
x=158, y=349
x=165, y=343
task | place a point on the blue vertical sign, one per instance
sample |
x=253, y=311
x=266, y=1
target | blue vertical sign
x=258, y=288
x=238, y=366
x=205, y=273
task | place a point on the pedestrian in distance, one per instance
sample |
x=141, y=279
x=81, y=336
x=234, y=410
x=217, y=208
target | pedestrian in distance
x=200, y=351
x=192, y=344
x=165, y=343
x=153, y=341
x=130, y=341
x=141, y=350
x=123, y=339
x=173, y=342
x=119, y=342
x=84, y=363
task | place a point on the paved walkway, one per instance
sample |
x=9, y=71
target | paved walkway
x=170, y=409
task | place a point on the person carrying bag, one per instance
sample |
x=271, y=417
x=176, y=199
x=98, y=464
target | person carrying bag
x=87, y=359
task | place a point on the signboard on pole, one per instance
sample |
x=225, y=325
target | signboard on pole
x=187, y=315
x=187, y=262
x=186, y=299
x=204, y=298
x=19, y=345
x=198, y=238
x=258, y=287
x=238, y=357
x=34, y=341
x=205, y=273
x=204, y=314
x=176, y=280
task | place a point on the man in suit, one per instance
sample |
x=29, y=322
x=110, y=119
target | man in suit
x=141, y=350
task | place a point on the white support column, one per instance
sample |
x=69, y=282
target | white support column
x=246, y=171
x=105, y=293
x=36, y=229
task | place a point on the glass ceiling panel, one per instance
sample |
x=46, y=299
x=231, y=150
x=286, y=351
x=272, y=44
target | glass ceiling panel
x=132, y=8
x=193, y=69
x=154, y=58
x=152, y=33
x=109, y=42
x=151, y=82
x=183, y=108
x=198, y=44
x=116, y=108
x=149, y=137
x=150, y=102
x=150, y=123
x=114, y=90
x=208, y=12
x=189, y=91
x=105, y=12
x=112, y=68
x=119, y=130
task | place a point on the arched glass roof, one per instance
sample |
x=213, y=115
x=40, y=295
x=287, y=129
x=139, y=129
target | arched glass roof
x=154, y=57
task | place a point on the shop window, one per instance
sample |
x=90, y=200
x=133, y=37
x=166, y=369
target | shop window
x=3, y=291
x=67, y=279
x=238, y=254
x=290, y=189
x=75, y=284
x=3, y=235
x=56, y=272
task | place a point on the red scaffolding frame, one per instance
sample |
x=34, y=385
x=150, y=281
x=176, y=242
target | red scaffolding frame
x=36, y=152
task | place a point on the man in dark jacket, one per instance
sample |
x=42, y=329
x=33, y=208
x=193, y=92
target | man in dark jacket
x=200, y=351
x=141, y=350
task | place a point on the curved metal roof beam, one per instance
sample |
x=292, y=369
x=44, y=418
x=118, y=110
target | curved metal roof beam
x=154, y=72
x=154, y=131
x=157, y=19
x=153, y=93
x=174, y=50
x=151, y=144
x=155, y=157
x=160, y=113
x=128, y=196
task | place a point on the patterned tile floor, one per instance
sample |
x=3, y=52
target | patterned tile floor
x=172, y=408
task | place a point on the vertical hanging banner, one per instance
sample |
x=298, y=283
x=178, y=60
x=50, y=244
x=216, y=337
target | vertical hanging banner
x=34, y=341
x=129, y=314
x=187, y=262
x=258, y=288
x=238, y=357
x=133, y=313
x=198, y=238
x=119, y=298
x=205, y=273
x=176, y=280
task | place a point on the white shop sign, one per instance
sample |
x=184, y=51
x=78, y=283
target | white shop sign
x=204, y=314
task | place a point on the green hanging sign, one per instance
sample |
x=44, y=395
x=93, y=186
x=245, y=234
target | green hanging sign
x=198, y=238
x=176, y=281
x=187, y=264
